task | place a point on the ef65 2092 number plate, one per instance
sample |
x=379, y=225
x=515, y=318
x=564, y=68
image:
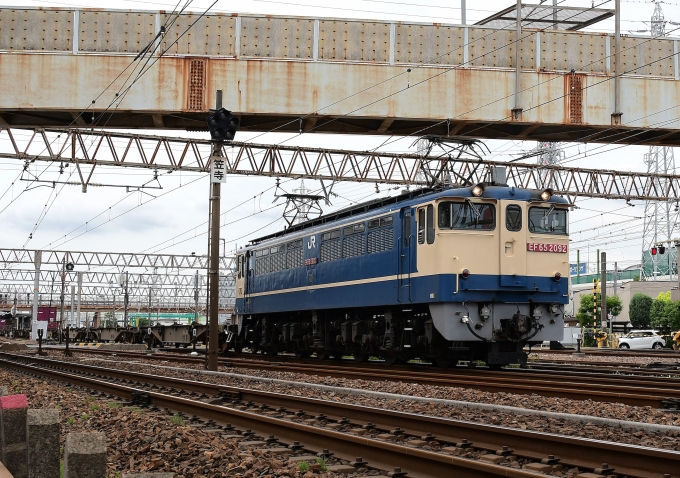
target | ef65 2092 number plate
x=534, y=247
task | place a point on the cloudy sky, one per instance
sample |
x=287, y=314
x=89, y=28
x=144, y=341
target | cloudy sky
x=38, y=217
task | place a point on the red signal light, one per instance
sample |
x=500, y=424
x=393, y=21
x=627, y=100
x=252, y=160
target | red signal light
x=653, y=251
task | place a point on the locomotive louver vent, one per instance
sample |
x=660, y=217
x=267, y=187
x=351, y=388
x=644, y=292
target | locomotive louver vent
x=330, y=250
x=379, y=241
x=353, y=246
x=294, y=258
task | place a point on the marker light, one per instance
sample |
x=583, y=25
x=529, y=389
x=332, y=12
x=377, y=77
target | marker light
x=558, y=276
x=546, y=195
x=465, y=273
x=477, y=190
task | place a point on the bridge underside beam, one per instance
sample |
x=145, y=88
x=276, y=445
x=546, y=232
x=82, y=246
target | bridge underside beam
x=274, y=95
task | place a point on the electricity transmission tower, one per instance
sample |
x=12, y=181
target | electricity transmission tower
x=661, y=218
x=658, y=24
x=549, y=154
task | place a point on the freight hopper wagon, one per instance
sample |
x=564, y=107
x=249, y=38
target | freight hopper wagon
x=457, y=274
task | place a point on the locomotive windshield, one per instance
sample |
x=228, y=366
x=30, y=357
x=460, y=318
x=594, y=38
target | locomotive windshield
x=548, y=220
x=467, y=215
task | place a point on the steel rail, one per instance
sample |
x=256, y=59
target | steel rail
x=644, y=393
x=184, y=154
x=417, y=462
x=631, y=460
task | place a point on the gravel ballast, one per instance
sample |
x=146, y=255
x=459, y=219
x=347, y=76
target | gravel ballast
x=590, y=428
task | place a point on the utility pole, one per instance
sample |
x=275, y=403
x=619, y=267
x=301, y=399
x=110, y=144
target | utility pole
x=196, y=284
x=214, y=252
x=126, y=299
x=463, y=13
x=61, y=297
x=73, y=304
x=603, y=290
x=36, y=294
x=80, y=295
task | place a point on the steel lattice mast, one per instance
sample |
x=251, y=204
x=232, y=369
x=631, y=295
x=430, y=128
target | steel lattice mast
x=661, y=218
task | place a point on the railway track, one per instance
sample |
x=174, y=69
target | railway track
x=420, y=445
x=653, y=391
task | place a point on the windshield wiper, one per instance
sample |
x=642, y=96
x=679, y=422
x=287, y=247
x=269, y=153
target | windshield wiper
x=472, y=206
x=552, y=208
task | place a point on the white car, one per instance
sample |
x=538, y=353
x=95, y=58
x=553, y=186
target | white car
x=642, y=339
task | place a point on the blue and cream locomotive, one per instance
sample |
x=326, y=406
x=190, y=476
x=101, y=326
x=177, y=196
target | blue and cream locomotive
x=457, y=274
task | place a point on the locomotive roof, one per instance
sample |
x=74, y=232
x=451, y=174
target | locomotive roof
x=411, y=198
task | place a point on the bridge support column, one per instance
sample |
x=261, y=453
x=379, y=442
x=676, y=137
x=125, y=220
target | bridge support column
x=617, y=114
x=517, y=110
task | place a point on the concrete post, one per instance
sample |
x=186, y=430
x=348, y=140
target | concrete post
x=85, y=455
x=13, y=409
x=43, y=443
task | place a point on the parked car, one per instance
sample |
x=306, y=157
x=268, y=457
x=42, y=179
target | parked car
x=642, y=339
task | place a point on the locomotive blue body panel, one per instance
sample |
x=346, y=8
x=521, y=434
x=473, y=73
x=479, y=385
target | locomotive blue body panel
x=385, y=276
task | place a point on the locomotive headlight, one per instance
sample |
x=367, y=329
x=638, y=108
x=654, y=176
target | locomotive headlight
x=546, y=195
x=477, y=190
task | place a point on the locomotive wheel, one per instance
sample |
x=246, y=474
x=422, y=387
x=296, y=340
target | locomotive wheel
x=359, y=357
x=322, y=355
x=238, y=347
x=392, y=359
x=444, y=362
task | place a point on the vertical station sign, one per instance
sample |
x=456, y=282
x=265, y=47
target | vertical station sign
x=218, y=170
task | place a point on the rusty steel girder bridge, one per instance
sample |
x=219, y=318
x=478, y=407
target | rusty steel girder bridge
x=300, y=74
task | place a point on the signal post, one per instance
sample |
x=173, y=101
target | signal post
x=223, y=126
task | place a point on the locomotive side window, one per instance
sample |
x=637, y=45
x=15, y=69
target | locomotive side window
x=467, y=215
x=548, y=220
x=513, y=218
x=430, y=224
x=421, y=225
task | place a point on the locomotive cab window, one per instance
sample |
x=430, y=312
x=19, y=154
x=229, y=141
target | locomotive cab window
x=421, y=225
x=430, y=224
x=513, y=218
x=467, y=215
x=548, y=220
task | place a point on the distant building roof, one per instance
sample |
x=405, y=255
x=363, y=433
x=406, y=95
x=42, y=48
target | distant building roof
x=547, y=16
